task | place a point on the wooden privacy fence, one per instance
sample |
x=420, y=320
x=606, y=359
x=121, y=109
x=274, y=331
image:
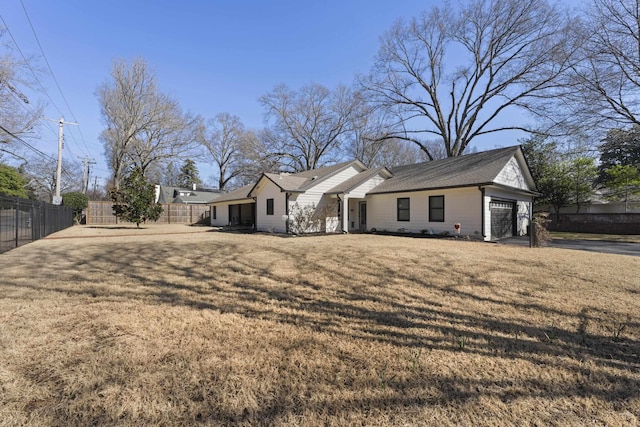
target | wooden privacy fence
x=101, y=213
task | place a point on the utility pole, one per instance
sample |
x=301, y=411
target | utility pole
x=57, y=200
x=86, y=173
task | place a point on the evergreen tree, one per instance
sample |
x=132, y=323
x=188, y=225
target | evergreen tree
x=76, y=201
x=621, y=147
x=624, y=181
x=189, y=175
x=12, y=183
x=135, y=200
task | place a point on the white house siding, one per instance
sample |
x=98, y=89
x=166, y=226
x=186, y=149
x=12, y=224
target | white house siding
x=222, y=214
x=512, y=175
x=462, y=206
x=275, y=222
x=326, y=207
x=361, y=190
x=524, y=204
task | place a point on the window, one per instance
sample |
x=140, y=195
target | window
x=215, y=213
x=436, y=208
x=403, y=209
x=269, y=206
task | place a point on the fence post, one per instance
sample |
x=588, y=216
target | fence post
x=17, y=223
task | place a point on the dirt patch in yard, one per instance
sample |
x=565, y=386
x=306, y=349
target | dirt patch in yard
x=172, y=327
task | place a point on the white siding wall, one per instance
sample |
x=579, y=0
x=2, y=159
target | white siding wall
x=512, y=175
x=367, y=186
x=326, y=207
x=222, y=214
x=460, y=206
x=275, y=223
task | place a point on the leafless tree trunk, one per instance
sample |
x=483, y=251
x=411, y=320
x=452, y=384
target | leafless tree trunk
x=143, y=126
x=453, y=73
x=307, y=126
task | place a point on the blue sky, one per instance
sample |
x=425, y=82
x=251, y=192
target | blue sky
x=213, y=56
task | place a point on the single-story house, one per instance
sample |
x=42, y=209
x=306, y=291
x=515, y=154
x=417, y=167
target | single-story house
x=200, y=196
x=600, y=203
x=486, y=195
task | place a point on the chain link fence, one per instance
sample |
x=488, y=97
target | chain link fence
x=23, y=221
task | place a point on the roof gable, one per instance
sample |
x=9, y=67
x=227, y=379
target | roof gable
x=464, y=171
x=359, y=179
x=303, y=181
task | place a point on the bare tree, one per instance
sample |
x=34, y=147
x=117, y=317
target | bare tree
x=255, y=158
x=453, y=73
x=605, y=85
x=307, y=126
x=41, y=173
x=18, y=113
x=143, y=126
x=223, y=138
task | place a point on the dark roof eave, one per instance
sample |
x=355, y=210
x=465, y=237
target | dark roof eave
x=243, y=199
x=449, y=187
x=516, y=189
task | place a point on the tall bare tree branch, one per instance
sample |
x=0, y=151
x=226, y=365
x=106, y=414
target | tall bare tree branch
x=453, y=73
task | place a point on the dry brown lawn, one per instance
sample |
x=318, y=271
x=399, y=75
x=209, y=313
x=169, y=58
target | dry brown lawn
x=175, y=325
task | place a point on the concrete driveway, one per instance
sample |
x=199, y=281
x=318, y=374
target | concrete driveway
x=618, y=248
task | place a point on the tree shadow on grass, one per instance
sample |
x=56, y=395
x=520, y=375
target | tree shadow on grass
x=352, y=300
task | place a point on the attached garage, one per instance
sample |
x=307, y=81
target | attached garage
x=502, y=218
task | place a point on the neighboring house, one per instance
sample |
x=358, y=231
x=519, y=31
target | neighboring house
x=165, y=194
x=485, y=195
x=600, y=203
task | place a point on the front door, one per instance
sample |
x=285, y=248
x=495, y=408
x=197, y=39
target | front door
x=363, y=216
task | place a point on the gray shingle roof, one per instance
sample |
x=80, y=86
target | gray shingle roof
x=173, y=195
x=302, y=181
x=237, y=194
x=464, y=171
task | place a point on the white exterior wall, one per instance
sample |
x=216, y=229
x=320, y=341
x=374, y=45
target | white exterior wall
x=326, y=207
x=365, y=187
x=512, y=175
x=222, y=214
x=461, y=206
x=597, y=208
x=264, y=222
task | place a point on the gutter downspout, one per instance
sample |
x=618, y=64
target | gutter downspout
x=482, y=213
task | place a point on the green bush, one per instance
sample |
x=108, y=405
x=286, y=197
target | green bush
x=76, y=201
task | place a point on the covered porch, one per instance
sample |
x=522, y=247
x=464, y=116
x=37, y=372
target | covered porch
x=242, y=214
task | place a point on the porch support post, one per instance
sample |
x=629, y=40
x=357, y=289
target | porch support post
x=345, y=213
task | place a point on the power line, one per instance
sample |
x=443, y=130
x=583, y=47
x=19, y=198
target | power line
x=26, y=61
x=52, y=74
x=35, y=150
